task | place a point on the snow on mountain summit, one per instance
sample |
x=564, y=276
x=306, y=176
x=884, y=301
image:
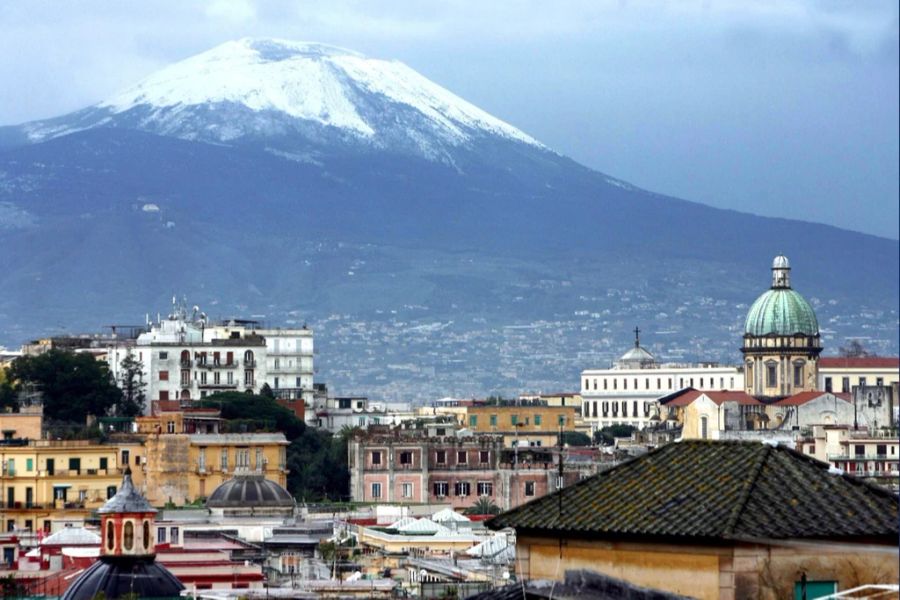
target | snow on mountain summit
x=365, y=98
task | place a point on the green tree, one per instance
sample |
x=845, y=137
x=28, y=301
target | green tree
x=72, y=386
x=607, y=435
x=484, y=506
x=854, y=349
x=132, y=384
x=576, y=438
x=8, y=398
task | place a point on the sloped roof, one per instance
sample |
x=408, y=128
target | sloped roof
x=804, y=397
x=862, y=362
x=423, y=526
x=714, y=490
x=449, y=515
x=72, y=536
x=127, y=499
x=688, y=395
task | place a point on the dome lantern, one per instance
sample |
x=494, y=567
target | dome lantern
x=781, y=272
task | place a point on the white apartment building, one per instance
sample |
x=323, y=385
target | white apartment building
x=627, y=393
x=186, y=358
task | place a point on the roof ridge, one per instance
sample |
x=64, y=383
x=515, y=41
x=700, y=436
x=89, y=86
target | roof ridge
x=745, y=494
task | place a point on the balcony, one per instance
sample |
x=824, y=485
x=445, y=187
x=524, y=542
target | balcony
x=212, y=364
x=218, y=386
x=862, y=457
x=186, y=364
x=249, y=364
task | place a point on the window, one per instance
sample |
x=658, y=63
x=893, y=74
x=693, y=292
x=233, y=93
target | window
x=260, y=461
x=160, y=535
x=771, y=375
x=440, y=488
x=485, y=488
x=110, y=491
x=174, y=534
x=376, y=490
x=862, y=381
x=462, y=488
x=461, y=457
x=529, y=488
x=128, y=535
x=704, y=432
x=514, y=420
x=406, y=458
x=11, y=467
x=537, y=420
x=440, y=457
x=624, y=384
x=493, y=420
x=170, y=427
x=217, y=378
x=879, y=381
x=110, y=535
x=224, y=459
x=164, y=395
x=811, y=450
x=586, y=384
x=248, y=377
x=163, y=375
x=29, y=464
x=604, y=384
x=248, y=358
x=845, y=385
x=828, y=387
x=881, y=450
x=229, y=378
x=406, y=490
x=146, y=535
x=798, y=374
x=376, y=457
x=561, y=419
x=484, y=456
x=473, y=420
x=859, y=450
x=242, y=458
x=163, y=355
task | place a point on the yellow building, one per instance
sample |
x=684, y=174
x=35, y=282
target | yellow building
x=522, y=425
x=47, y=480
x=183, y=467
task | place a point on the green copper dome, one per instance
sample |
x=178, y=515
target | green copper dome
x=781, y=311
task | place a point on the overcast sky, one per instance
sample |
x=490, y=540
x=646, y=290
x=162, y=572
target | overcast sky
x=785, y=107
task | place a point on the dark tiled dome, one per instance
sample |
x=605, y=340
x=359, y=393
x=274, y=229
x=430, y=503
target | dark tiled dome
x=246, y=491
x=115, y=577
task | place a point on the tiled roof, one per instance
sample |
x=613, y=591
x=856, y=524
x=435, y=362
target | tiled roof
x=863, y=362
x=688, y=395
x=724, y=490
x=804, y=397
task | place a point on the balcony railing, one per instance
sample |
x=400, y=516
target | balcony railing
x=862, y=457
x=219, y=385
x=212, y=364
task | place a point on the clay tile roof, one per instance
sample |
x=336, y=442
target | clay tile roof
x=804, y=397
x=714, y=490
x=863, y=362
x=688, y=395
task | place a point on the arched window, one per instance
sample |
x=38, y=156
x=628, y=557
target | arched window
x=248, y=358
x=128, y=535
x=146, y=535
x=185, y=394
x=110, y=536
x=185, y=358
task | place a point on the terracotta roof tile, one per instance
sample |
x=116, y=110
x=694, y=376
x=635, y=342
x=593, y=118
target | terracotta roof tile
x=688, y=395
x=804, y=397
x=714, y=490
x=863, y=362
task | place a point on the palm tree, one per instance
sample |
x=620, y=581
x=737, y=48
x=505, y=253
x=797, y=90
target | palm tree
x=484, y=506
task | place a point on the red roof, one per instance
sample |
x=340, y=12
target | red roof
x=804, y=397
x=865, y=362
x=688, y=395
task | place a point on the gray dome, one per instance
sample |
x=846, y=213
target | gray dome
x=781, y=262
x=115, y=577
x=127, y=499
x=246, y=491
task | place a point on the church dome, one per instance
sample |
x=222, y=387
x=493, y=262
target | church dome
x=114, y=578
x=251, y=490
x=781, y=311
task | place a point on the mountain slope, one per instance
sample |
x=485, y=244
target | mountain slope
x=435, y=248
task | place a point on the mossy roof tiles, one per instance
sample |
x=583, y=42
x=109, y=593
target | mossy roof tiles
x=718, y=490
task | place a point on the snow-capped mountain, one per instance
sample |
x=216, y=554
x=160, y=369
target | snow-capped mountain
x=419, y=234
x=275, y=89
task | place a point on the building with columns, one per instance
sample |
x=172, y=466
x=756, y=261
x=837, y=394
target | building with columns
x=781, y=340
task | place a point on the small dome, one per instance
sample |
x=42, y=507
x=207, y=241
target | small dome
x=781, y=262
x=637, y=354
x=245, y=491
x=115, y=578
x=781, y=311
x=127, y=499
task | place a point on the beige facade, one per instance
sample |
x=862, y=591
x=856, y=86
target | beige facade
x=779, y=366
x=838, y=374
x=768, y=571
x=522, y=425
x=49, y=480
x=184, y=467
